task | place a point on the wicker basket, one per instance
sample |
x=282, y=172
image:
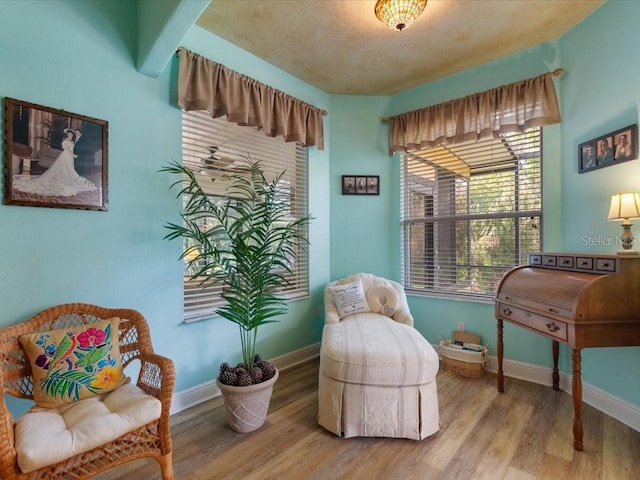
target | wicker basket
x=462, y=362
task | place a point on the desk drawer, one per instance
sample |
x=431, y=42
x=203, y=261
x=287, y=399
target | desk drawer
x=544, y=325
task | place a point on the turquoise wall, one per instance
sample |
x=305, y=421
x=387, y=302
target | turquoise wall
x=361, y=237
x=600, y=93
x=81, y=57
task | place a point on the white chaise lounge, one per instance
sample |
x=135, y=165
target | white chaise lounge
x=377, y=373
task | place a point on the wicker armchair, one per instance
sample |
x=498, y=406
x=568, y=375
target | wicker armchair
x=156, y=378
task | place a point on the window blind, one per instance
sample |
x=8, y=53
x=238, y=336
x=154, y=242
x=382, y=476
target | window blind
x=215, y=149
x=470, y=212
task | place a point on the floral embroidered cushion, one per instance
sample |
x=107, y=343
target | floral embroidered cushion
x=74, y=363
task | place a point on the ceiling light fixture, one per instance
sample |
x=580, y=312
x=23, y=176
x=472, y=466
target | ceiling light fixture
x=399, y=14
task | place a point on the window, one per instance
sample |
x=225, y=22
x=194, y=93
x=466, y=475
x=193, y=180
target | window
x=214, y=149
x=470, y=212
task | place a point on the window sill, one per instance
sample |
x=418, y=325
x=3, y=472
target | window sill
x=446, y=296
x=293, y=297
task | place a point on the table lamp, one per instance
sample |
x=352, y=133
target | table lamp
x=190, y=256
x=625, y=206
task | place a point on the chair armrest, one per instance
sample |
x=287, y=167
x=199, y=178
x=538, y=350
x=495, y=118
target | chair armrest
x=403, y=316
x=330, y=311
x=7, y=445
x=157, y=377
x=331, y=317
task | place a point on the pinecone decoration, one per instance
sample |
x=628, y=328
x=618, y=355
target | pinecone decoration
x=224, y=366
x=256, y=374
x=241, y=366
x=228, y=377
x=244, y=379
x=256, y=359
x=268, y=370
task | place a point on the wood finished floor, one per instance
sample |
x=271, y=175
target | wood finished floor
x=523, y=434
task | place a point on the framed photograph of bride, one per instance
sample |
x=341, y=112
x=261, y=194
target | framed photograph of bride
x=54, y=158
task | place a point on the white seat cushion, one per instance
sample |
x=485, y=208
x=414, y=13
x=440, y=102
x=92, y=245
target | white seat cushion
x=45, y=436
x=372, y=349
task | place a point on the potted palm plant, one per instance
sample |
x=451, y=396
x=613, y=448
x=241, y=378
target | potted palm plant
x=249, y=250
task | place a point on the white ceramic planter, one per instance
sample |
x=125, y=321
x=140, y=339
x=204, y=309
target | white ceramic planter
x=247, y=407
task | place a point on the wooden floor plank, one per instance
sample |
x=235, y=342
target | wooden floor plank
x=528, y=456
x=454, y=434
x=515, y=474
x=468, y=456
x=554, y=468
x=619, y=460
x=496, y=461
x=522, y=434
x=587, y=465
x=560, y=440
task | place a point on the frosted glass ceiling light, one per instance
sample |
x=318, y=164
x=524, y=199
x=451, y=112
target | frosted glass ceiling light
x=399, y=14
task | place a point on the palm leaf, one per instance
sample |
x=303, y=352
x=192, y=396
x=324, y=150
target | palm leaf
x=61, y=384
x=260, y=244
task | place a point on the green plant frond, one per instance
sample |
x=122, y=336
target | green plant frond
x=172, y=167
x=231, y=314
x=251, y=244
x=175, y=231
x=61, y=384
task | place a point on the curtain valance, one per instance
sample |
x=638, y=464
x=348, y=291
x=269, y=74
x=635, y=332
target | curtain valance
x=509, y=108
x=207, y=85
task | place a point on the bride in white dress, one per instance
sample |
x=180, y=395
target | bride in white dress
x=60, y=179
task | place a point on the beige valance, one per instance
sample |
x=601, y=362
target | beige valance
x=207, y=85
x=510, y=108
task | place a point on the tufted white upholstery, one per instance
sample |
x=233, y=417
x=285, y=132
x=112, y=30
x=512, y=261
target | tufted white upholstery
x=45, y=436
x=377, y=373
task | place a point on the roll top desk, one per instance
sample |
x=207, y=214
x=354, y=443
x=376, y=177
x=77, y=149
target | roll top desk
x=582, y=300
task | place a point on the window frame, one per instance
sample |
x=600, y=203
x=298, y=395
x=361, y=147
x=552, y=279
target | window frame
x=409, y=219
x=201, y=301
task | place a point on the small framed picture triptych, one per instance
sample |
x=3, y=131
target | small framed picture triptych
x=610, y=149
x=360, y=184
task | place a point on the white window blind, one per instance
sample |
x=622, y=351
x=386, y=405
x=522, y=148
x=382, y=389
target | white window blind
x=470, y=212
x=214, y=149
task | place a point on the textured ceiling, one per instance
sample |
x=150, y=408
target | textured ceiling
x=342, y=48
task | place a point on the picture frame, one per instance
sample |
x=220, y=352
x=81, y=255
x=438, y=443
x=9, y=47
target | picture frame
x=54, y=158
x=361, y=184
x=611, y=149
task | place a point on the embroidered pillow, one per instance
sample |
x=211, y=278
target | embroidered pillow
x=383, y=300
x=349, y=298
x=74, y=363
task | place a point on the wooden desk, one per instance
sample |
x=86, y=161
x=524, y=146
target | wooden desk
x=583, y=308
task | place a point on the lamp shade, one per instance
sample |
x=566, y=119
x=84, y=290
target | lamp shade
x=399, y=14
x=624, y=206
x=191, y=254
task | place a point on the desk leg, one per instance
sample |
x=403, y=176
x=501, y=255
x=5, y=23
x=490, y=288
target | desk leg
x=500, y=355
x=556, y=376
x=577, y=399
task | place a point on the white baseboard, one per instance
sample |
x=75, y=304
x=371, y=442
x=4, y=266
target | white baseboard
x=613, y=406
x=523, y=371
x=297, y=357
x=193, y=396
x=208, y=390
